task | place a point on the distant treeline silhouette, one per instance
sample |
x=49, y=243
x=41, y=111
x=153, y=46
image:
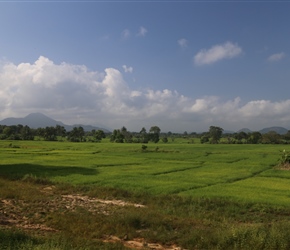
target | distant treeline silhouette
x=215, y=135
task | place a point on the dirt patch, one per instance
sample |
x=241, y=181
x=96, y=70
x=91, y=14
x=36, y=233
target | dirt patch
x=15, y=213
x=31, y=215
x=85, y=201
x=140, y=243
x=285, y=166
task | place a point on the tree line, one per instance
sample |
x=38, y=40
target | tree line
x=77, y=134
x=214, y=135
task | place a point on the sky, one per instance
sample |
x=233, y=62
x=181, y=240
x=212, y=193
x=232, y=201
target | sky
x=179, y=65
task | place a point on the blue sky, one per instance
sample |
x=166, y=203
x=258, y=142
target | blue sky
x=180, y=65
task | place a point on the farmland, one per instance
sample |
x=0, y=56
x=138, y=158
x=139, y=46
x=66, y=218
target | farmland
x=192, y=195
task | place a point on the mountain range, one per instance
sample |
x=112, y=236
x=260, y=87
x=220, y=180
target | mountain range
x=278, y=130
x=39, y=120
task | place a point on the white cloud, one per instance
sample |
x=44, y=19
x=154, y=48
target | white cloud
x=276, y=57
x=216, y=53
x=74, y=94
x=183, y=43
x=127, y=69
x=126, y=34
x=142, y=31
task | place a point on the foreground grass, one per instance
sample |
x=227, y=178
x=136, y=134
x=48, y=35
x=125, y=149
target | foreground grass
x=195, y=196
x=191, y=223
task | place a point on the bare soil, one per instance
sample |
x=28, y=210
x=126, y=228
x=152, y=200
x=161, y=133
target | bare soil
x=30, y=216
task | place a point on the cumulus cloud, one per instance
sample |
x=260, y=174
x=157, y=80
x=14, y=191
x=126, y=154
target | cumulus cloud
x=216, y=53
x=276, y=57
x=127, y=69
x=183, y=43
x=75, y=94
x=142, y=31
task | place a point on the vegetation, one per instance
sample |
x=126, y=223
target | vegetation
x=284, y=160
x=77, y=134
x=64, y=195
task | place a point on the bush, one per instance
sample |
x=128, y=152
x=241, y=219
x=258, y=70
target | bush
x=285, y=158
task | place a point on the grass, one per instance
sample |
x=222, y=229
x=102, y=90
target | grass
x=196, y=196
x=173, y=169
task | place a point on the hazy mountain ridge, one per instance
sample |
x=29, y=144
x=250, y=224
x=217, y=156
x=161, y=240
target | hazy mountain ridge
x=278, y=130
x=246, y=130
x=39, y=120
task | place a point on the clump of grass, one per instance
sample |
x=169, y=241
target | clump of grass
x=37, y=180
x=13, y=146
x=14, y=239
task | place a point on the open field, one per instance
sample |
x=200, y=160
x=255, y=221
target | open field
x=193, y=196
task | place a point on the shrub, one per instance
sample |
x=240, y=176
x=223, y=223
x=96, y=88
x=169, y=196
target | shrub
x=285, y=158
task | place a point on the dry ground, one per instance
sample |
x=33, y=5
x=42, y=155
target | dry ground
x=30, y=216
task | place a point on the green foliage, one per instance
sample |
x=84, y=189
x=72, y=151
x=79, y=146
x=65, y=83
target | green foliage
x=117, y=136
x=204, y=139
x=255, y=137
x=10, y=239
x=215, y=134
x=285, y=158
x=77, y=134
x=154, y=134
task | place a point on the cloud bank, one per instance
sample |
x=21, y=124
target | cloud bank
x=75, y=94
x=216, y=53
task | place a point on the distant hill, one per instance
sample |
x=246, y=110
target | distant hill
x=278, y=130
x=39, y=120
x=246, y=130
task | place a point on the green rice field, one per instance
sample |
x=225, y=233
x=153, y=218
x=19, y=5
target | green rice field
x=242, y=172
x=197, y=196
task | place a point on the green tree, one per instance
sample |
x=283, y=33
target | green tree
x=26, y=133
x=271, y=137
x=77, y=134
x=143, y=136
x=60, y=131
x=7, y=131
x=117, y=136
x=287, y=136
x=215, y=134
x=254, y=137
x=50, y=134
x=204, y=138
x=99, y=135
x=164, y=139
x=127, y=135
x=154, y=133
x=240, y=136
